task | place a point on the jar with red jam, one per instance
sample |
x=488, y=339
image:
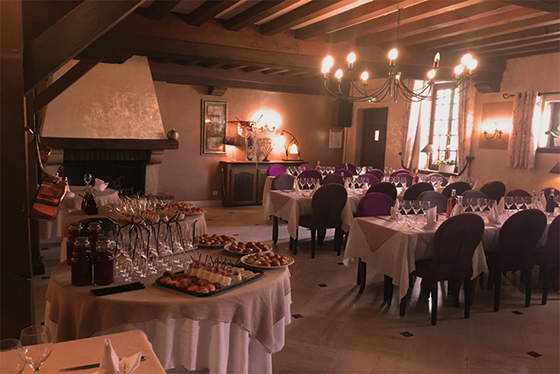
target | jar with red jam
x=94, y=231
x=74, y=230
x=81, y=262
x=103, y=264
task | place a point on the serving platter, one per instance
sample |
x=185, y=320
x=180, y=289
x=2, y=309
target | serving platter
x=227, y=248
x=252, y=266
x=219, y=245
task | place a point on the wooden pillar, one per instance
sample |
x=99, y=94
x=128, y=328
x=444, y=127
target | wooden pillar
x=17, y=309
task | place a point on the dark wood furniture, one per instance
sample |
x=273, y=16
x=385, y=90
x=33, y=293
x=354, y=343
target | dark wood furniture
x=243, y=181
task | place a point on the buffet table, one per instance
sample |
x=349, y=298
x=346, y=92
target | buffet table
x=88, y=351
x=289, y=206
x=236, y=331
x=52, y=229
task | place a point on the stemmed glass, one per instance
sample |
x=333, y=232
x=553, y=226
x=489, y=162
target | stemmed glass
x=426, y=205
x=12, y=361
x=529, y=202
x=508, y=202
x=403, y=182
x=482, y=203
x=87, y=179
x=519, y=201
x=474, y=204
x=416, y=207
x=37, y=345
x=406, y=206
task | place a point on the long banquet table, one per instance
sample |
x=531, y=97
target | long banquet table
x=234, y=332
x=393, y=248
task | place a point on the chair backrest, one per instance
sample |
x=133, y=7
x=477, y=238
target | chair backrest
x=384, y=187
x=276, y=169
x=347, y=173
x=495, y=190
x=328, y=202
x=518, y=192
x=475, y=194
x=435, y=199
x=436, y=175
x=552, y=249
x=312, y=173
x=378, y=173
x=459, y=187
x=375, y=204
x=400, y=171
x=348, y=166
x=282, y=182
x=408, y=178
x=415, y=190
x=548, y=190
x=518, y=238
x=372, y=179
x=331, y=178
x=454, y=243
x=306, y=167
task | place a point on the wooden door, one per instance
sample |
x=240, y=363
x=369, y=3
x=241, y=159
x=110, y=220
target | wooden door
x=374, y=136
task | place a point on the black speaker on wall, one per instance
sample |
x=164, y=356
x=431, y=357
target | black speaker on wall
x=344, y=113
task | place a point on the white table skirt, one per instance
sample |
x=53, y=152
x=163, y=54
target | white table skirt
x=221, y=347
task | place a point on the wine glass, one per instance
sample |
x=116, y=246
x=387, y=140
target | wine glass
x=426, y=205
x=529, y=202
x=482, y=203
x=403, y=182
x=406, y=206
x=466, y=204
x=11, y=362
x=519, y=201
x=474, y=204
x=416, y=207
x=508, y=202
x=87, y=179
x=37, y=345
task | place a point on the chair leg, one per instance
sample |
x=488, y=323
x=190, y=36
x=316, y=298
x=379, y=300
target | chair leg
x=338, y=240
x=388, y=289
x=295, y=243
x=528, y=275
x=321, y=233
x=274, y=229
x=402, y=306
x=362, y=275
x=468, y=287
x=313, y=233
x=434, y=293
x=545, y=277
x=497, y=277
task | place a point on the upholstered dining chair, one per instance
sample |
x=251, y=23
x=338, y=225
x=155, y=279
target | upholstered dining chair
x=327, y=203
x=408, y=178
x=275, y=170
x=384, y=187
x=331, y=178
x=400, y=171
x=306, y=167
x=518, y=192
x=348, y=166
x=548, y=259
x=312, y=173
x=518, y=238
x=378, y=173
x=474, y=194
x=437, y=175
x=435, y=199
x=372, y=179
x=281, y=182
x=345, y=172
x=495, y=190
x=372, y=205
x=459, y=187
x=454, y=244
x=415, y=190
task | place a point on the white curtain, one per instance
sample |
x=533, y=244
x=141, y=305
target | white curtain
x=466, y=124
x=522, y=142
x=410, y=120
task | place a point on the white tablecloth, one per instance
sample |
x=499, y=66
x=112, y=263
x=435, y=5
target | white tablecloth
x=289, y=206
x=267, y=188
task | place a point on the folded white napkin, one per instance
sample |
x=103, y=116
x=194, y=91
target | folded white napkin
x=110, y=364
x=431, y=218
x=395, y=211
x=493, y=215
x=477, y=185
x=438, y=187
x=100, y=185
x=295, y=185
x=500, y=206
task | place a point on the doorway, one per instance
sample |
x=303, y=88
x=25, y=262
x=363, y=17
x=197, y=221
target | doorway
x=374, y=136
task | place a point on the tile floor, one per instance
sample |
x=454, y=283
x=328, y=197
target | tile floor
x=341, y=331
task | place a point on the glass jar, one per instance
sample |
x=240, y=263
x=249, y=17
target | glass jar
x=94, y=231
x=103, y=264
x=81, y=262
x=74, y=230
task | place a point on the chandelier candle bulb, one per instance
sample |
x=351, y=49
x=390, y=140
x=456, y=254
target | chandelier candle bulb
x=365, y=77
x=436, y=61
x=431, y=74
x=338, y=75
x=393, y=54
x=458, y=71
x=351, y=59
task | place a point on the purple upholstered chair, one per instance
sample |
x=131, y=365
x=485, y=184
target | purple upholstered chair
x=518, y=192
x=436, y=199
x=378, y=173
x=310, y=174
x=280, y=182
x=275, y=170
x=459, y=188
x=348, y=166
x=375, y=204
x=347, y=173
x=372, y=179
x=415, y=190
x=331, y=179
x=306, y=167
x=403, y=175
x=400, y=171
x=548, y=258
x=384, y=187
x=474, y=194
x=495, y=190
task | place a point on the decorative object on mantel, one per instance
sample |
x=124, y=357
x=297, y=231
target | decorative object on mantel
x=213, y=127
x=292, y=148
x=247, y=130
x=172, y=134
x=266, y=146
x=428, y=150
x=394, y=86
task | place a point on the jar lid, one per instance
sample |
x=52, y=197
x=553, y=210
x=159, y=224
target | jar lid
x=75, y=224
x=81, y=239
x=96, y=224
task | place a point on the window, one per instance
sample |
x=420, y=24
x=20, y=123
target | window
x=549, y=122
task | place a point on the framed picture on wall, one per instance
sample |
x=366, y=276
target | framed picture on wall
x=213, y=127
x=335, y=138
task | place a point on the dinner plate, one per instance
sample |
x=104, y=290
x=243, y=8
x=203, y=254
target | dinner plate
x=216, y=245
x=226, y=247
x=264, y=267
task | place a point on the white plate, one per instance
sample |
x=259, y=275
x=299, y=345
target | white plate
x=216, y=245
x=265, y=267
x=226, y=247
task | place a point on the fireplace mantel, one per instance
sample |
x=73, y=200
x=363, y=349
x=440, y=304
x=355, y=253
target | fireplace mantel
x=125, y=144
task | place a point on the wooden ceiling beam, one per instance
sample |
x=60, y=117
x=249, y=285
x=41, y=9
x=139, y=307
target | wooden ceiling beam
x=56, y=46
x=516, y=43
x=544, y=45
x=206, y=11
x=547, y=6
x=259, y=11
x=518, y=54
x=483, y=33
x=434, y=23
x=158, y=9
x=303, y=14
x=358, y=15
x=389, y=21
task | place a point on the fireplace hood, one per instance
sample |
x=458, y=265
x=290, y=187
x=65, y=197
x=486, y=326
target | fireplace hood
x=114, y=107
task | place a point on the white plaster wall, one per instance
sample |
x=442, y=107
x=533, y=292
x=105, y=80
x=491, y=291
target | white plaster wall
x=112, y=101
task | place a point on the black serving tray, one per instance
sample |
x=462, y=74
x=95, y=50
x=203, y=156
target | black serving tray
x=259, y=275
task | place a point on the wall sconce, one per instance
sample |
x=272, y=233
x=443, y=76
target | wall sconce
x=555, y=169
x=493, y=139
x=292, y=148
x=497, y=134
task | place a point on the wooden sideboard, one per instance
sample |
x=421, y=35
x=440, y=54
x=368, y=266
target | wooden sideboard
x=243, y=181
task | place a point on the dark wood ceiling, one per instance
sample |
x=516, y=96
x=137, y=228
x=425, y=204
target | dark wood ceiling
x=279, y=44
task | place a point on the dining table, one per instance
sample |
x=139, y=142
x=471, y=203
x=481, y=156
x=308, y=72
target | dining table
x=88, y=351
x=392, y=248
x=231, y=332
x=290, y=205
